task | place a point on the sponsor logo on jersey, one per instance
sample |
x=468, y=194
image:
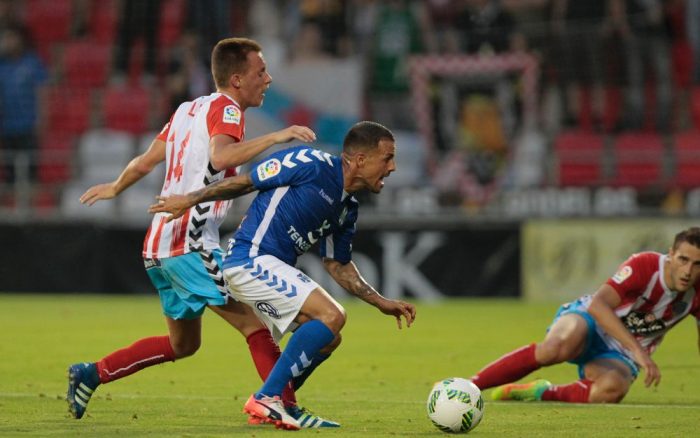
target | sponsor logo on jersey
x=232, y=114
x=327, y=198
x=268, y=309
x=639, y=323
x=269, y=168
x=622, y=275
x=301, y=276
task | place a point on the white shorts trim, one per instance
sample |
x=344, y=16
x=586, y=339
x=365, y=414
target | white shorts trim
x=275, y=291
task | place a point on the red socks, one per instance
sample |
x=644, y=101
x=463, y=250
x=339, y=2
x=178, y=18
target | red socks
x=141, y=354
x=507, y=368
x=265, y=354
x=576, y=392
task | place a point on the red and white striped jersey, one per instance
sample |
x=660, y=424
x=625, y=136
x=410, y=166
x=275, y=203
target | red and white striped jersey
x=649, y=309
x=187, y=136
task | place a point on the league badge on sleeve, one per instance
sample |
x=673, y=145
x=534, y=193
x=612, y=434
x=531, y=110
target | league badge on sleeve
x=232, y=114
x=622, y=275
x=268, y=169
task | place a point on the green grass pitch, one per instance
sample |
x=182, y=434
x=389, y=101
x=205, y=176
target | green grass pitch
x=376, y=384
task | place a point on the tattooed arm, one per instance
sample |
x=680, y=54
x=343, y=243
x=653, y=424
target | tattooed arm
x=227, y=188
x=351, y=280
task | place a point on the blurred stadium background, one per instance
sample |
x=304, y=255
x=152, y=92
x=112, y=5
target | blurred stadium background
x=539, y=142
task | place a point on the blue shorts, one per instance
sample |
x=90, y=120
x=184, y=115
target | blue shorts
x=595, y=347
x=188, y=283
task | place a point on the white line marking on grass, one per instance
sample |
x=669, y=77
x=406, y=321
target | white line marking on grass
x=347, y=400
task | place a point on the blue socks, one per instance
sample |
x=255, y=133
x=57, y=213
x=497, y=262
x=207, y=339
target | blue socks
x=299, y=380
x=299, y=358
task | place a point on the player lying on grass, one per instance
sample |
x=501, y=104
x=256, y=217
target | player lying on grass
x=610, y=334
x=304, y=196
x=201, y=144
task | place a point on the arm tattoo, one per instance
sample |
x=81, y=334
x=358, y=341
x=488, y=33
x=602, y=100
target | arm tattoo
x=227, y=188
x=349, y=277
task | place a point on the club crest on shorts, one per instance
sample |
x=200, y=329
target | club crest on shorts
x=268, y=309
x=269, y=168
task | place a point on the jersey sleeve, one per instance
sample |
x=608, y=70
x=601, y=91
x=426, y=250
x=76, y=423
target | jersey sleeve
x=225, y=118
x=632, y=275
x=280, y=170
x=338, y=245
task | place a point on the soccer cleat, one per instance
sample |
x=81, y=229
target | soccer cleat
x=307, y=420
x=521, y=391
x=82, y=382
x=270, y=410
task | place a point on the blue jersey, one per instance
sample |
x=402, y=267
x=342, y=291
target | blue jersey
x=301, y=201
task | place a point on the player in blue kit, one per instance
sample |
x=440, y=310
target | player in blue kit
x=305, y=196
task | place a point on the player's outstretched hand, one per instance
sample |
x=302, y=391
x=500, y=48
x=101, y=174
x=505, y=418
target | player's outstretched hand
x=651, y=370
x=176, y=205
x=95, y=193
x=398, y=309
x=295, y=132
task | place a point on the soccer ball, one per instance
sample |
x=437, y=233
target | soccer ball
x=455, y=405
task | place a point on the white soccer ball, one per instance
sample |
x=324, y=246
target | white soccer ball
x=455, y=405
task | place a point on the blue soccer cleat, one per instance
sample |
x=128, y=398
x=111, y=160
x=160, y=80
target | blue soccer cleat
x=307, y=420
x=82, y=382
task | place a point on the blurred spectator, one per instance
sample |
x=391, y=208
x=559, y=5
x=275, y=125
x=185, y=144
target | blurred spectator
x=647, y=47
x=693, y=30
x=8, y=16
x=188, y=77
x=139, y=18
x=308, y=43
x=485, y=27
x=531, y=19
x=21, y=76
x=362, y=20
x=442, y=35
x=211, y=20
x=578, y=29
x=329, y=17
x=399, y=32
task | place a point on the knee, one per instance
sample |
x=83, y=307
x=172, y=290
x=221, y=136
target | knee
x=334, y=318
x=185, y=347
x=553, y=351
x=608, y=390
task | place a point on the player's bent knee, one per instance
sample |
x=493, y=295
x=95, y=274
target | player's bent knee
x=184, y=349
x=551, y=351
x=334, y=318
x=609, y=389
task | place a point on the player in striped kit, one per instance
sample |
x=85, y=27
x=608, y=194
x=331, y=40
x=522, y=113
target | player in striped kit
x=304, y=196
x=610, y=334
x=202, y=143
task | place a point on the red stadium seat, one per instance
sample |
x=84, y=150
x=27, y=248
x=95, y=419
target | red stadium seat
x=686, y=147
x=86, y=64
x=104, y=18
x=638, y=159
x=48, y=22
x=55, y=158
x=126, y=109
x=172, y=19
x=695, y=106
x=580, y=158
x=68, y=111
